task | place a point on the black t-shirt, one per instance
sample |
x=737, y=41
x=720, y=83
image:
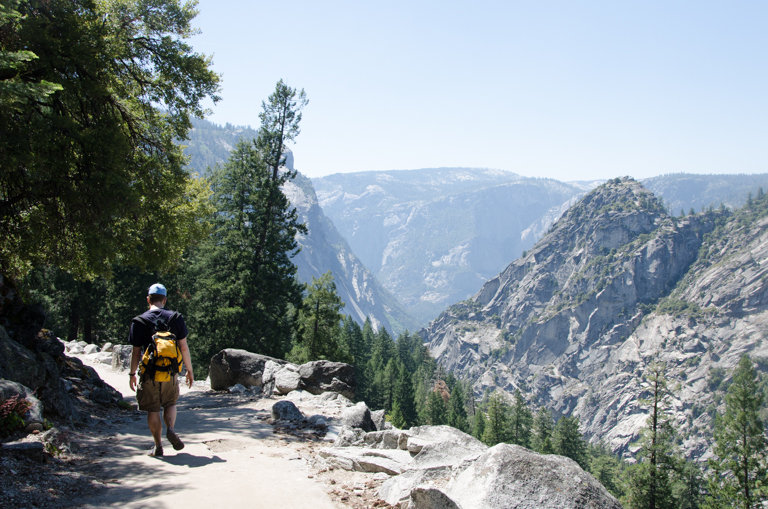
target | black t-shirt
x=140, y=335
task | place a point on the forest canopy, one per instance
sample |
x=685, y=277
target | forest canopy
x=92, y=97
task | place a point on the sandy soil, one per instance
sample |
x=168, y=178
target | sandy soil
x=234, y=457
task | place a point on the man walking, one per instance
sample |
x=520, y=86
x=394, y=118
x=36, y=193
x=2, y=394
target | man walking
x=153, y=395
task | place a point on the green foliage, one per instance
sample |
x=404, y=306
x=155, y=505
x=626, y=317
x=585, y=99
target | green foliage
x=688, y=488
x=404, y=398
x=567, y=441
x=497, y=420
x=241, y=279
x=543, y=426
x=650, y=482
x=319, y=324
x=738, y=470
x=677, y=307
x=437, y=411
x=478, y=425
x=12, y=411
x=607, y=468
x=520, y=421
x=93, y=95
x=457, y=413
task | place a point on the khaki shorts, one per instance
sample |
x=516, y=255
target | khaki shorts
x=152, y=395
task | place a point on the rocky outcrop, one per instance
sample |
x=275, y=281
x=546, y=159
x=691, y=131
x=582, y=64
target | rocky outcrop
x=286, y=410
x=276, y=376
x=512, y=476
x=324, y=248
x=322, y=376
x=439, y=467
x=358, y=416
x=11, y=390
x=615, y=284
x=121, y=357
x=42, y=368
x=233, y=366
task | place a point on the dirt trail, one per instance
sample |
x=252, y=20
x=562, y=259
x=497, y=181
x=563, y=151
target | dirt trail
x=232, y=458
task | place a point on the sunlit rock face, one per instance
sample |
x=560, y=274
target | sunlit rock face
x=615, y=284
x=434, y=236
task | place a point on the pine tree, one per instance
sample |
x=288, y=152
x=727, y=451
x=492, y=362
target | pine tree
x=457, y=414
x=497, y=420
x=366, y=392
x=405, y=398
x=396, y=416
x=651, y=481
x=352, y=336
x=606, y=468
x=738, y=469
x=567, y=441
x=437, y=413
x=280, y=118
x=478, y=425
x=389, y=384
x=543, y=426
x=688, y=488
x=241, y=299
x=319, y=323
x=405, y=351
x=520, y=422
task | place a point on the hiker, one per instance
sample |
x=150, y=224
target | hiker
x=152, y=334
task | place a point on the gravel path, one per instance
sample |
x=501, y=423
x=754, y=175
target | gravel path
x=232, y=458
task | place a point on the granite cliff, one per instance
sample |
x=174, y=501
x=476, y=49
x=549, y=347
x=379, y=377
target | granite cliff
x=433, y=236
x=615, y=284
x=323, y=249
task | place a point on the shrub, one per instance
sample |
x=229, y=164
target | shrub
x=11, y=415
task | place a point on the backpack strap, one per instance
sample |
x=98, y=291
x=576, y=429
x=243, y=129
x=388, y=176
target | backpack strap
x=173, y=318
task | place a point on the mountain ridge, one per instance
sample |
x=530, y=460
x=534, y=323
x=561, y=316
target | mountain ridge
x=615, y=284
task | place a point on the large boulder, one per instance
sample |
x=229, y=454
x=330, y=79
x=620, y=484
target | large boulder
x=358, y=416
x=322, y=376
x=18, y=363
x=121, y=357
x=9, y=389
x=512, y=476
x=233, y=366
x=287, y=379
x=441, y=450
x=53, y=392
x=37, y=370
x=46, y=342
x=357, y=459
x=379, y=418
x=287, y=411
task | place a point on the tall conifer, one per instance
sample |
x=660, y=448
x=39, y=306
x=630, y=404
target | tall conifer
x=738, y=471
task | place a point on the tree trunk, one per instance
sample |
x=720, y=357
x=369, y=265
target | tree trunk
x=74, y=321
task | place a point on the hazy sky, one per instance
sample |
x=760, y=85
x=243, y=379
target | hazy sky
x=572, y=90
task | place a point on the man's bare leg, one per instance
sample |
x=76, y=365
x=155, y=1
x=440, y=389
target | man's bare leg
x=156, y=428
x=169, y=415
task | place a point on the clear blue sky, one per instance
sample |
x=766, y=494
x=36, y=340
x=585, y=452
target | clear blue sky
x=572, y=90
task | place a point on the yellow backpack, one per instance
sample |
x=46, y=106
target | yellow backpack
x=162, y=358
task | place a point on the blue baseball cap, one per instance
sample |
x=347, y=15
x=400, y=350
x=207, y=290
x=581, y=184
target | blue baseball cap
x=158, y=289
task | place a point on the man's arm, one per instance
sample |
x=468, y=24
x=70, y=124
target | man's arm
x=187, y=361
x=135, y=358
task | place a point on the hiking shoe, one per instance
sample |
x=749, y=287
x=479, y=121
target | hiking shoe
x=174, y=439
x=157, y=450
